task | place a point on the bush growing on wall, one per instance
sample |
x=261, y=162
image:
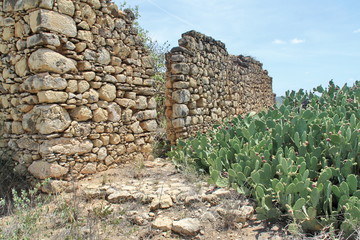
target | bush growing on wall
x=157, y=52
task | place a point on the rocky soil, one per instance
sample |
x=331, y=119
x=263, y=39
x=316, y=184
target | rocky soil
x=148, y=200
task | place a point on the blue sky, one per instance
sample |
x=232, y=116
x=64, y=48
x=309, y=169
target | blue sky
x=301, y=43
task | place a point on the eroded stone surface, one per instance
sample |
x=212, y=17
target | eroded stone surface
x=162, y=223
x=66, y=7
x=41, y=82
x=53, y=21
x=19, y=5
x=162, y=202
x=44, y=170
x=187, y=226
x=52, y=97
x=68, y=146
x=81, y=113
x=46, y=119
x=107, y=92
x=114, y=112
x=46, y=60
x=43, y=39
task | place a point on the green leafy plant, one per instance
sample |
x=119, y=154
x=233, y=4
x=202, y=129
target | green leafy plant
x=157, y=51
x=299, y=160
x=24, y=212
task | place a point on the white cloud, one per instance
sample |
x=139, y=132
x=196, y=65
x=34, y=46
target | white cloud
x=278, y=41
x=297, y=41
x=357, y=30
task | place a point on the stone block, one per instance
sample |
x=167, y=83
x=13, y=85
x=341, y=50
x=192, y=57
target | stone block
x=114, y=139
x=21, y=67
x=180, y=68
x=19, y=5
x=89, y=168
x=43, y=39
x=148, y=62
x=107, y=92
x=52, y=97
x=52, y=21
x=146, y=115
x=88, y=14
x=180, y=111
x=135, y=128
x=28, y=143
x=178, y=123
x=187, y=227
x=85, y=35
x=67, y=146
x=44, y=170
x=141, y=102
x=126, y=103
x=46, y=60
x=47, y=4
x=149, y=126
x=100, y=115
x=181, y=96
x=81, y=113
x=66, y=7
x=114, y=112
x=103, y=56
x=46, y=119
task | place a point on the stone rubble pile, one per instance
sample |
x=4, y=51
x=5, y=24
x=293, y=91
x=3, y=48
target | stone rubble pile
x=206, y=85
x=76, y=88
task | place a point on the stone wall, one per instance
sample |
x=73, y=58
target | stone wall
x=205, y=84
x=76, y=94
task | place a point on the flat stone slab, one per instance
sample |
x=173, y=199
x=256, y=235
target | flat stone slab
x=46, y=60
x=53, y=21
x=187, y=226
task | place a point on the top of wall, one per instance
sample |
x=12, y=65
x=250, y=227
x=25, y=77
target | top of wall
x=193, y=41
x=24, y=5
x=205, y=85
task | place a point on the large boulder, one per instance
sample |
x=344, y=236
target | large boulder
x=41, y=82
x=46, y=60
x=107, y=92
x=49, y=20
x=46, y=119
x=42, y=170
x=81, y=113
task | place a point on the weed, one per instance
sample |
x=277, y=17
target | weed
x=102, y=212
x=26, y=209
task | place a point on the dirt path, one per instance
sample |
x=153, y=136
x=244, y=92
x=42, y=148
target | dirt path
x=150, y=200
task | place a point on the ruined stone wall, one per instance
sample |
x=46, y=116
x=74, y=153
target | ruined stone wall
x=205, y=85
x=76, y=94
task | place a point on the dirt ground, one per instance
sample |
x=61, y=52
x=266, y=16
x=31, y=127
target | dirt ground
x=140, y=201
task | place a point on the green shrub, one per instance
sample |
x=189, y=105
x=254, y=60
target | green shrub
x=299, y=160
x=9, y=180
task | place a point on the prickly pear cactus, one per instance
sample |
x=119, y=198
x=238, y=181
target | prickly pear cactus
x=299, y=160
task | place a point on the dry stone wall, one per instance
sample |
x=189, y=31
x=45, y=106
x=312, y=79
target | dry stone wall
x=76, y=94
x=205, y=85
